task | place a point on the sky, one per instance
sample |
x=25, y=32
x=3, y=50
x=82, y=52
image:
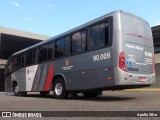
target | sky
x=53, y=17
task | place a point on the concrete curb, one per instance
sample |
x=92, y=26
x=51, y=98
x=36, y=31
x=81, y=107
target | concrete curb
x=143, y=90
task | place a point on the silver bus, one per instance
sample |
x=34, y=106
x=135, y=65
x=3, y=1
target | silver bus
x=112, y=52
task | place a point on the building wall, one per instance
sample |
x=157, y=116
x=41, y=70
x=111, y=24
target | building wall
x=156, y=40
x=157, y=85
x=2, y=82
x=11, y=41
x=157, y=61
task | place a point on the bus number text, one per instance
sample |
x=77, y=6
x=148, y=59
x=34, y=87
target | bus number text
x=103, y=56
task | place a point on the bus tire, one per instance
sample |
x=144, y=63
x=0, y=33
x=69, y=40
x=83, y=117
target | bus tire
x=59, y=89
x=16, y=89
x=92, y=94
x=44, y=93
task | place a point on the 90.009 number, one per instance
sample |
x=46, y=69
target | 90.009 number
x=103, y=56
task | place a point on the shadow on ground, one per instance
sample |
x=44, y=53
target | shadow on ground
x=79, y=97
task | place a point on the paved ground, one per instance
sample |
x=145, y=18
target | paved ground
x=109, y=101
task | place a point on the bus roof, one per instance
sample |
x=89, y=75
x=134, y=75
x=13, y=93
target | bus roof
x=71, y=31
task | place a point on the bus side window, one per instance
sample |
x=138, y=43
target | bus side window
x=50, y=51
x=99, y=35
x=22, y=60
x=17, y=62
x=107, y=34
x=67, y=45
x=94, y=37
x=104, y=34
x=34, y=56
x=59, y=48
x=84, y=40
x=42, y=56
x=76, y=43
x=28, y=58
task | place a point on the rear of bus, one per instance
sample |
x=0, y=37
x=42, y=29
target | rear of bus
x=135, y=65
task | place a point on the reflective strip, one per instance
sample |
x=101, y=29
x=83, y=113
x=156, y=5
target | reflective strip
x=136, y=35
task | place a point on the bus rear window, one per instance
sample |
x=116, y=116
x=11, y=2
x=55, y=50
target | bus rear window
x=133, y=26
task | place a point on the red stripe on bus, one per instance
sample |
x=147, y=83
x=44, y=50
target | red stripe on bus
x=49, y=78
x=136, y=35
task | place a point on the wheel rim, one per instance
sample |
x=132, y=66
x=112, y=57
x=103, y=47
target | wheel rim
x=58, y=89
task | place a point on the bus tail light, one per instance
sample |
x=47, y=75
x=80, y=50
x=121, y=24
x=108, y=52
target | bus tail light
x=122, y=64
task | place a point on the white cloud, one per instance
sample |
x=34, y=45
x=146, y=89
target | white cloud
x=50, y=6
x=16, y=4
x=27, y=19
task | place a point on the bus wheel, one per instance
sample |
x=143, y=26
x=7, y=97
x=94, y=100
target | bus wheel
x=44, y=93
x=59, y=89
x=92, y=94
x=16, y=90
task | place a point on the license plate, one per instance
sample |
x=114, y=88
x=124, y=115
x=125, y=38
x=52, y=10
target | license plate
x=142, y=79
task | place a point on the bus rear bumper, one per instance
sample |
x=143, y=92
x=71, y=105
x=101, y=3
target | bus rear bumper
x=125, y=78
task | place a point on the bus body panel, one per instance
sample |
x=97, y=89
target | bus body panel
x=124, y=78
x=19, y=76
x=80, y=74
x=139, y=58
x=85, y=71
x=135, y=40
x=43, y=77
x=30, y=76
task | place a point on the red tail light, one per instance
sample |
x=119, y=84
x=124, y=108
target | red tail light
x=122, y=64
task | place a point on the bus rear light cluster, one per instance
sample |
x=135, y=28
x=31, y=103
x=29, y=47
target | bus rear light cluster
x=122, y=64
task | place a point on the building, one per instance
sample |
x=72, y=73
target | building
x=11, y=41
x=156, y=40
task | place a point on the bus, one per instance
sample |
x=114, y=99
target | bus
x=112, y=52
